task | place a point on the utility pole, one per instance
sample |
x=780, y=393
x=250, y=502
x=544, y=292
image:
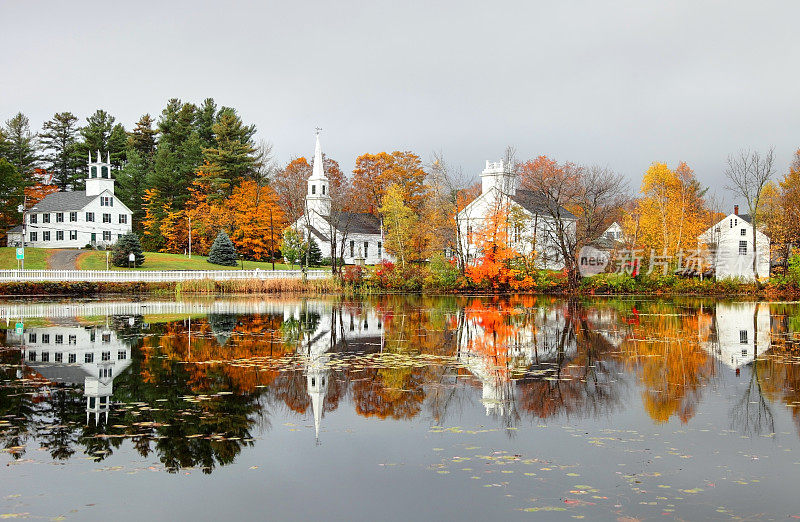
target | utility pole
x=24, y=226
x=190, y=237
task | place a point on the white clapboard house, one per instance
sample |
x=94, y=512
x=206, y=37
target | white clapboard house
x=532, y=228
x=74, y=219
x=358, y=236
x=730, y=247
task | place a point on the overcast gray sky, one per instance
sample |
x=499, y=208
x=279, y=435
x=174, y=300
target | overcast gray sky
x=621, y=84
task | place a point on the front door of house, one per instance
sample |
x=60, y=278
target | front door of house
x=94, y=238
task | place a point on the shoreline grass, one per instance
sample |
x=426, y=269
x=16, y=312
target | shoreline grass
x=96, y=260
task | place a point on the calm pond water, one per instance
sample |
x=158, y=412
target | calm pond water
x=400, y=408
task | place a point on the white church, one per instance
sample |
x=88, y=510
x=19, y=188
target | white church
x=74, y=219
x=357, y=236
x=532, y=229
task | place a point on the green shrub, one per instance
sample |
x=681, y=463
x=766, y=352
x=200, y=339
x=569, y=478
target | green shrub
x=125, y=246
x=442, y=274
x=222, y=251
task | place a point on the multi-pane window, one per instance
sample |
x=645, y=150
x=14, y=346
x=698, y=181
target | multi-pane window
x=31, y=337
x=72, y=339
x=88, y=358
x=31, y=356
x=742, y=248
x=106, y=235
x=744, y=232
x=45, y=338
x=34, y=236
x=60, y=235
x=380, y=249
x=73, y=217
x=123, y=219
x=33, y=218
x=366, y=248
x=73, y=235
x=59, y=217
x=72, y=359
x=46, y=235
x=106, y=337
x=742, y=336
x=313, y=189
x=352, y=248
x=122, y=355
x=90, y=216
x=45, y=356
x=106, y=356
x=45, y=218
x=59, y=357
x=59, y=339
x=106, y=218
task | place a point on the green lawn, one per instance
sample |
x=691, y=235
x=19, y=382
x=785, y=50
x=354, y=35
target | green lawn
x=35, y=258
x=96, y=260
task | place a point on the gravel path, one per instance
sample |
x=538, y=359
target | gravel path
x=63, y=259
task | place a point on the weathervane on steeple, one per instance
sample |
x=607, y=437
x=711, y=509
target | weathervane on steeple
x=318, y=129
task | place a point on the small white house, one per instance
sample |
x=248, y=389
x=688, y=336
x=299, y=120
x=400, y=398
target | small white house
x=74, y=219
x=530, y=227
x=730, y=247
x=358, y=236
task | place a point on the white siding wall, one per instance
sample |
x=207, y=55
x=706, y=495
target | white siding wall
x=729, y=263
x=84, y=228
x=472, y=220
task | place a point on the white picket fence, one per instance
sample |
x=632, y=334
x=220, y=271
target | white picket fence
x=154, y=276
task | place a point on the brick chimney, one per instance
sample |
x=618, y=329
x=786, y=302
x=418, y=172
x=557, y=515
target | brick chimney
x=736, y=209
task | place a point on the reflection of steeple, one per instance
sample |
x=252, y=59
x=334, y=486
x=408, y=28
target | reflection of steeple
x=738, y=333
x=317, y=380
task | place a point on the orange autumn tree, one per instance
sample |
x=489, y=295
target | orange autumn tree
x=40, y=188
x=492, y=268
x=375, y=173
x=252, y=217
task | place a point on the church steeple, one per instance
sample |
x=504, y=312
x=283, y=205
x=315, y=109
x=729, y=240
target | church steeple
x=99, y=178
x=318, y=198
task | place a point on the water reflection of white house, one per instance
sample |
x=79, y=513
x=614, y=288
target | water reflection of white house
x=737, y=333
x=91, y=356
x=330, y=329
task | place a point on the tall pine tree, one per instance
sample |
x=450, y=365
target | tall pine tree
x=21, y=145
x=59, y=138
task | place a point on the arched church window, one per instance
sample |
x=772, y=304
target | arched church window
x=93, y=173
x=104, y=172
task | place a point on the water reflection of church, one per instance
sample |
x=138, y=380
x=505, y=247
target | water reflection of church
x=326, y=329
x=90, y=356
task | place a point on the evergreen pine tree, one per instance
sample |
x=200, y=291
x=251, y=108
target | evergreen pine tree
x=222, y=251
x=101, y=134
x=58, y=138
x=314, y=253
x=126, y=245
x=131, y=184
x=21, y=145
x=11, y=187
x=142, y=138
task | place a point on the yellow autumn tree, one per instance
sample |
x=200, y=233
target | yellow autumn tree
x=671, y=211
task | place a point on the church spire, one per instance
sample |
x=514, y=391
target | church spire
x=319, y=167
x=318, y=198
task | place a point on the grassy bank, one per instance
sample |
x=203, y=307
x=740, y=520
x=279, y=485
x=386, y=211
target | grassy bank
x=96, y=260
x=253, y=286
x=35, y=258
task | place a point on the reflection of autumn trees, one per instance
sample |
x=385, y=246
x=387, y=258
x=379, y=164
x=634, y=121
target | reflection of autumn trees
x=664, y=351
